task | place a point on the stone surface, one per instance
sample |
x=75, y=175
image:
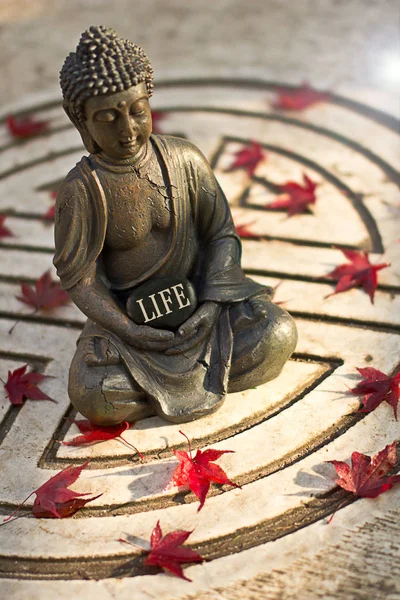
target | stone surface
x=329, y=42
x=270, y=540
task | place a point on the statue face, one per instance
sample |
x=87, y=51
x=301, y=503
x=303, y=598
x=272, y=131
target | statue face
x=120, y=123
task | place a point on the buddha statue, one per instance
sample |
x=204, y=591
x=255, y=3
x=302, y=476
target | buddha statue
x=147, y=209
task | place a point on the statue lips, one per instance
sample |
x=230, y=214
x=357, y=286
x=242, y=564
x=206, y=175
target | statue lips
x=130, y=147
x=129, y=143
x=164, y=302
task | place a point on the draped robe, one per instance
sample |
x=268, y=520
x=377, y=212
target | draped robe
x=204, y=248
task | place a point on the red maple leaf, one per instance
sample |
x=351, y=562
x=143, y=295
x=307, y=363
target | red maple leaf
x=296, y=197
x=49, y=214
x=197, y=473
x=25, y=127
x=4, y=231
x=359, y=272
x=377, y=387
x=21, y=386
x=167, y=552
x=157, y=116
x=54, y=499
x=298, y=98
x=247, y=158
x=46, y=293
x=243, y=231
x=367, y=477
x=92, y=433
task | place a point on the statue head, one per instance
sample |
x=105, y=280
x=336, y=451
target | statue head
x=103, y=64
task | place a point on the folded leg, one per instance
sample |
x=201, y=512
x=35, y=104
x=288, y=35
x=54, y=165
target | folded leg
x=264, y=339
x=102, y=389
x=104, y=392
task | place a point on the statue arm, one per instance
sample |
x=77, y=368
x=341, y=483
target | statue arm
x=219, y=276
x=79, y=235
x=91, y=295
x=219, y=273
x=94, y=299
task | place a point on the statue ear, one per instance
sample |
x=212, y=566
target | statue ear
x=87, y=139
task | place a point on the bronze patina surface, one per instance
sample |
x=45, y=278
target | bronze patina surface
x=143, y=207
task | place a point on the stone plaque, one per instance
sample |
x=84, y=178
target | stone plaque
x=165, y=302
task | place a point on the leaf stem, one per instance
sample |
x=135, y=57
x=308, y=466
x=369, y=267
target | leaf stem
x=17, y=509
x=132, y=446
x=12, y=328
x=188, y=441
x=19, y=321
x=335, y=511
x=131, y=544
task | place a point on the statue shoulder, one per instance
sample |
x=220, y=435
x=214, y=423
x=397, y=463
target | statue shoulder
x=73, y=187
x=185, y=150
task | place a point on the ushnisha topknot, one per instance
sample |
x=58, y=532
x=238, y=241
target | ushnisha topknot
x=102, y=64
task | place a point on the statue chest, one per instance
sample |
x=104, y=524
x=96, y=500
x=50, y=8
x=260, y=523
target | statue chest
x=137, y=209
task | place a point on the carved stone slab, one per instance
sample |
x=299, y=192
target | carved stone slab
x=273, y=533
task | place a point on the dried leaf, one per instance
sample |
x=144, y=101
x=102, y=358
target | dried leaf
x=377, y=387
x=54, y=499
x=4, y=231
x=157, y=117
x=296, y=197
x=298, y=99
x=45, y=295
x=25, y=127
x=248, y=158
x=243, y=231
x=21, y=386
x=168, y=553
x=359, y=272
x=92, y=434
x=50, y=213
x=197, y=473
x=367, y=477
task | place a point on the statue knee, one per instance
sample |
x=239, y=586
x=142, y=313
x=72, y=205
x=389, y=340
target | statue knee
x=280, y=338
x=85, y=390
x=285, y=334
x=88, y=399
x=105, y=395
x=273, y=341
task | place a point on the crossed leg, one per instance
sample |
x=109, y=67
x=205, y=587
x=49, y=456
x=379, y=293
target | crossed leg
x=106, y=394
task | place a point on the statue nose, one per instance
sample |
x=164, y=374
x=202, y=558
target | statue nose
x=127, y=127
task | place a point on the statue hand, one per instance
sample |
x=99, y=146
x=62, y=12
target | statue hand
x=149, y=338
x=259, y=305
x=100, y=352
x=196, y=328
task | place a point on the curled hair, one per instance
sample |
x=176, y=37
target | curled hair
x=102, y=64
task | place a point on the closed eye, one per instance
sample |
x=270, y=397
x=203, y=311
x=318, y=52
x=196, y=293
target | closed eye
x=139, y=107
x=105, y=116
